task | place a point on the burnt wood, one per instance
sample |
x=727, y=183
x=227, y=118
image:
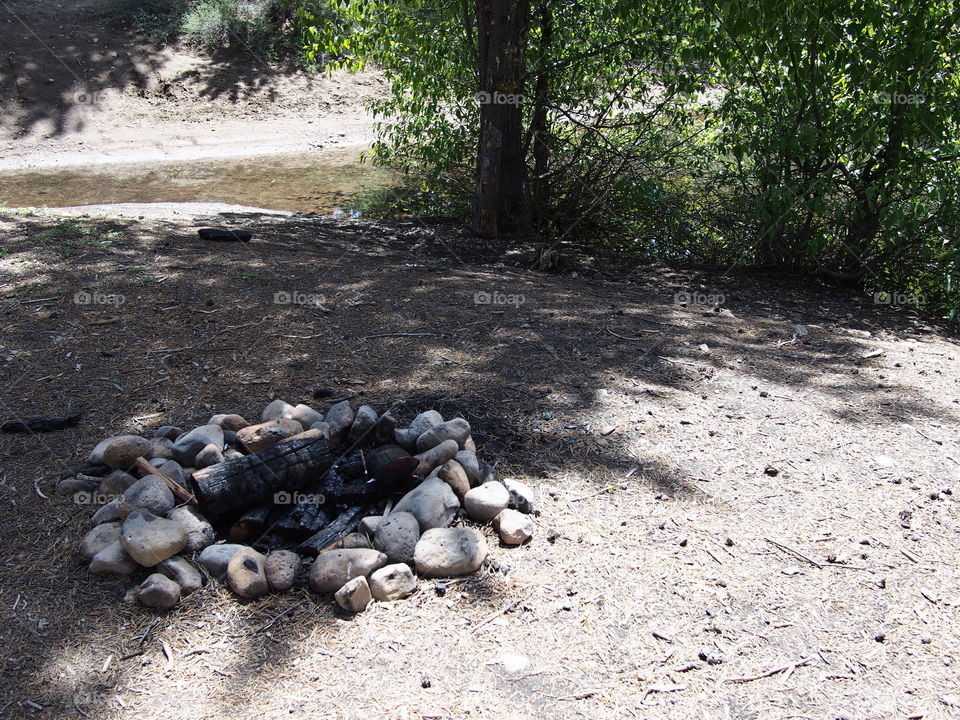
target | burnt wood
x=345, y=524
x=255, y=479
x=41, y=424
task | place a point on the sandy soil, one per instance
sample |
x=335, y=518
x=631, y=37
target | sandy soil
x=769, y=531
x=78, y=89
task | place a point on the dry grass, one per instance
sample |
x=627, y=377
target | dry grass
x=650, y=590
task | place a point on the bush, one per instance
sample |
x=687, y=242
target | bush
x=245, y=26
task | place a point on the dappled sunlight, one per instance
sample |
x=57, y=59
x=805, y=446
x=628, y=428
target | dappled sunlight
x=646, y=452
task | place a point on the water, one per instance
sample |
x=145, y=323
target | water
x=322, y=182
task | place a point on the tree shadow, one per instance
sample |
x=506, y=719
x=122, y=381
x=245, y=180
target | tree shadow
x=61, y=61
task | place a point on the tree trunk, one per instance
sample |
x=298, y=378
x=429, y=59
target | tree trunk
x=502, y=196
x=538, y=129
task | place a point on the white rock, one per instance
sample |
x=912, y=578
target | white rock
x=392, y=582
x=513, y=527
x=485, y=502
x=355, y=595
x=448, y=552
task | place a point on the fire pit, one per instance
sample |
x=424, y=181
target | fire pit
x=345, y=502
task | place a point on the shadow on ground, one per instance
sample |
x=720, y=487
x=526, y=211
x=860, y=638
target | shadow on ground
x=142, y=324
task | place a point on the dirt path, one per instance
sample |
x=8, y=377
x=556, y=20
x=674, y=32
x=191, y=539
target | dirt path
x=652, y=588
x=76, y=89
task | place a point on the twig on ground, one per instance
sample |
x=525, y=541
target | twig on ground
x=783, y=668
x=506, y=608
x=397, y=334
x=662, y=689
x=796, y=553
x=598, y=492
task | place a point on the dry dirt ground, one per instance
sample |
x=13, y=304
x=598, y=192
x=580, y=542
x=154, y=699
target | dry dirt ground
x=77, y=87
x=769, y=531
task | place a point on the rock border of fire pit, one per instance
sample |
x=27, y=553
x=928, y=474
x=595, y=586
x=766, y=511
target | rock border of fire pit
x=437, y=495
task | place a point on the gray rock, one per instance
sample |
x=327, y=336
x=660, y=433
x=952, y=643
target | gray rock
x=448, y=552
x=156, y=462
x=354, y=540
x=246, y=574
x=199, y=530
x=282, y=568
x=433, y=503
x=116, y=482
x=471, y=466
x=306, y=415
x=323, y=427
x=334, y=568
x=364, y=424
x=368, y=526
x=513, y=527
x=113, y=560
x=149, y=492
x=436, y=456
x=354, y=596
x=521, y=496
x=386, y=426
x=258, y=437
x=232, y=454
x=158, y=591
x=78, y=484
x=216, y=558
x=230, y=437
x=187, y=446
x=124, y=450
x=179, y=569
x=397, y=536
x=228, y=422
x=173, y=470
x=485, y=502
x=161, y=448
x=149, y=539
x=107, y=513
x=100, y=537
x=407, y=437
x=453, y=474
x=210, y=455
x=171, y=432
x=276, y=410
x=339, y=418
x=392, y=582
x=96, y=455
x=456, y=429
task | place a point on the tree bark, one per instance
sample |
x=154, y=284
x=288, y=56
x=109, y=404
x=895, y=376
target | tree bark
x=503, y=203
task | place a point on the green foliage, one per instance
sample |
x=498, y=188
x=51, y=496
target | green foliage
x=821, y=137
x=245, y=26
